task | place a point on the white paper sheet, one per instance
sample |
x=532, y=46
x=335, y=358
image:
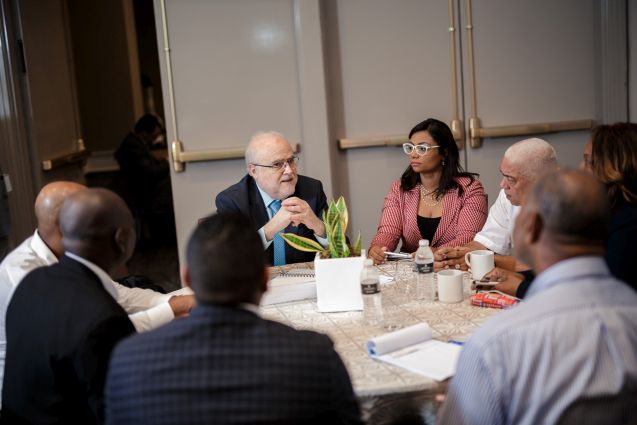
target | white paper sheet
x=413, y=349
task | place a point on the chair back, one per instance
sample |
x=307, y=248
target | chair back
x=617, y=409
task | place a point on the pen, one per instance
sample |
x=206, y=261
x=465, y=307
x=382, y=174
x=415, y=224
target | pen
x=453, y=341
x=397, y=254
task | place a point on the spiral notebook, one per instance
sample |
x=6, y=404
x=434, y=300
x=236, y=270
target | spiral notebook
x=293, y=285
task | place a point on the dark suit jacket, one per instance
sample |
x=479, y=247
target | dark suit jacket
x=621, y=249
x=225, y=365
x=244, y=198
x=61, y=327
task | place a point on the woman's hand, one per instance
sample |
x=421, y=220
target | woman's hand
x=450, y=258
x=377, y=253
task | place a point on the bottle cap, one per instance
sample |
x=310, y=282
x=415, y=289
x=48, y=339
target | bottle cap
x=423, y=242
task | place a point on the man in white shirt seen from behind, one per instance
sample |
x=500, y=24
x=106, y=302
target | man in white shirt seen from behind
x=522, y=163
x=147, y=309
x=570, y=350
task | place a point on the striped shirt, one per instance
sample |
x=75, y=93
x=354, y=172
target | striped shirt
x=462, y=217
x=575, y=336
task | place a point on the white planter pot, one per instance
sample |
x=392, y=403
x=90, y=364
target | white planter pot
x=338, y=283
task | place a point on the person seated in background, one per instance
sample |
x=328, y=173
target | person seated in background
x=224, y=364
x=611, y=155
x=434, y=198
x=147, y=309
x=276, y=198
x=62, y=321
x=146, y=180
x=522, y=163
x=573, y=341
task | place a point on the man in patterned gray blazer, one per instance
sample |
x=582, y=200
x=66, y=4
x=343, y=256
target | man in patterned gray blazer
x=224, y=364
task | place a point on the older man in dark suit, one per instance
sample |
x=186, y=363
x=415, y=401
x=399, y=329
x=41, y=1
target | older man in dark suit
x=224, y=364
x=62, y=322
x=276, y=199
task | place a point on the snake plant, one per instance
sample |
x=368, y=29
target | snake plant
x=335, y=220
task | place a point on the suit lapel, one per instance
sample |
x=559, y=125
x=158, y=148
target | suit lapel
x=448, y=213
x=258, y=212
x=412, y=200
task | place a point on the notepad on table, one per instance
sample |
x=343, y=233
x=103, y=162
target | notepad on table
x=293, y=285
x=414, y=349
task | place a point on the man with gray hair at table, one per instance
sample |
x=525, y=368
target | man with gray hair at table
x=276, y=199
x=568, y=354
x=225, y=364
x=522, y=163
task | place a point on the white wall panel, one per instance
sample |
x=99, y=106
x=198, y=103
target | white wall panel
x=239, y=67
x=534, y=62
x=389, y=68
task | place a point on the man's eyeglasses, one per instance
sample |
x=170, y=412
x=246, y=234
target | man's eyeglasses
x=420, y=149
x=280, y=165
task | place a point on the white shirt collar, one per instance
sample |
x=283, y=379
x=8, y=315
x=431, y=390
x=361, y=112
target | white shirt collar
x=42, y=250
x=267, y=199
x=106, y=280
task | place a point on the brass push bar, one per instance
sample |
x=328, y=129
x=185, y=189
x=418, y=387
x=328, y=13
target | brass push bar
x=395, y=140
x=477, y=134
x=366, y=142
x=180, y=158
x=456, y=125
x=70, y=158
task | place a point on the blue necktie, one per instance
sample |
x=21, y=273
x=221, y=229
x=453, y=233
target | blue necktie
x=279, y=243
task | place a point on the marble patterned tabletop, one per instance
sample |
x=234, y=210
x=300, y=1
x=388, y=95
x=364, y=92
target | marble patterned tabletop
x=401, y=308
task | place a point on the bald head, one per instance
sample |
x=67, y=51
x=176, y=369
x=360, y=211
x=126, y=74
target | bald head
x=264, y=150
x=47, y=209
x=573, y=205
x=532, y=157
x=262, y=142
x=97, y=225
x=565, y=214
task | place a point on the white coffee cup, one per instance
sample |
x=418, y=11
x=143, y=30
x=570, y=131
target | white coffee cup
x=480, y=262
x=450, y=286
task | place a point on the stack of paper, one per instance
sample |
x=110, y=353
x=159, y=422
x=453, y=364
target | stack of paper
x=294, y=285
x=413, y=349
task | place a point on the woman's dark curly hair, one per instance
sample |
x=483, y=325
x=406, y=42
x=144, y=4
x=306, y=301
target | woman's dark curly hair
x=614, y=161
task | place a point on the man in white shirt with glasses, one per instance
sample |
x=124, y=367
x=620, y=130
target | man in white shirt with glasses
x=276, y=198
x=522, y=164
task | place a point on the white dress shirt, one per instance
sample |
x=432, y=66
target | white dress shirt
x=574, y=336
x=147, y=309
x=498, y=229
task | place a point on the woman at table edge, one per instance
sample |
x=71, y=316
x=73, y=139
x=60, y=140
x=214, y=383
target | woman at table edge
x=434, y=199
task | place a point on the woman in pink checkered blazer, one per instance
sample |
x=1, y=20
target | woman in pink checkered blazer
x=434, y=199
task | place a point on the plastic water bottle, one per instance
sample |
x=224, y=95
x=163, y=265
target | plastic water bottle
x=425, y=288
x=370, y=287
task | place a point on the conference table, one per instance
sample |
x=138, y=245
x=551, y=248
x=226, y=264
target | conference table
x=377, y=383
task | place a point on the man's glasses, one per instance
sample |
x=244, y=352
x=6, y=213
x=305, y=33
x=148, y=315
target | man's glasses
x=420, y=149
x=280, y=165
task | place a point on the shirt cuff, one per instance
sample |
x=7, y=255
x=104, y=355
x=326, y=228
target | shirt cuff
x=321, y=240
x=491, y=245
x=266, y=243
x=152, y=318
